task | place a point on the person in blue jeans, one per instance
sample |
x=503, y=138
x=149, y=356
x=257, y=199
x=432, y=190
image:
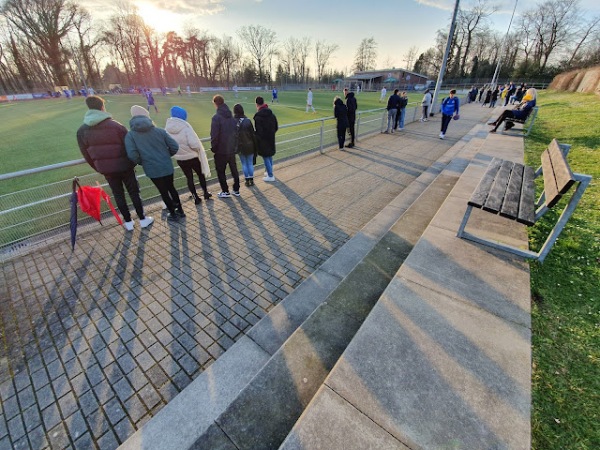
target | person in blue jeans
x=245, y=143
x=266, y=126
x=392, y=109
x=401, y=111
x=450, y=108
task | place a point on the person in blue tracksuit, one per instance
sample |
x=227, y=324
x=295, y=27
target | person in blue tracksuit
x=450, y=108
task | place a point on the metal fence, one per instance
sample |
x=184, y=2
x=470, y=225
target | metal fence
x=33, y=215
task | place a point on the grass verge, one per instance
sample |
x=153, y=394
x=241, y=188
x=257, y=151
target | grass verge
x=566, y=288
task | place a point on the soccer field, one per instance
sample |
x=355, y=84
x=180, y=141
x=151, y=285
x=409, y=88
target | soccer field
x=42, y=132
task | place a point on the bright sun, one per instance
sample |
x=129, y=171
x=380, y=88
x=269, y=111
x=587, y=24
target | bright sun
x=159, y=19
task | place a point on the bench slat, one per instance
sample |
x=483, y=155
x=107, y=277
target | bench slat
x=480, y=194
x=550, y=187
x=562, y=171
x=496, y=195
x=527, y=200
x=510, y=205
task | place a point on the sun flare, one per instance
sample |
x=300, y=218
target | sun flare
x=159, y=19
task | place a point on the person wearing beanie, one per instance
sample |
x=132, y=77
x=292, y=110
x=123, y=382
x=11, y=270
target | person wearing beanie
x=222, y=136
x=266, y=126
x=245, y=143
x=152, y=147
x=101, y=141
x=191, y=156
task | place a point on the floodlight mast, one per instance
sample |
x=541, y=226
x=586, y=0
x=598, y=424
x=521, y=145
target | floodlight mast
x=445, y=59
x=497, y=71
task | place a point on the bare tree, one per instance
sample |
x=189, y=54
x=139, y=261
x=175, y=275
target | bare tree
x=588, y=30
x=366, y=55
x=261, y=44
x=323, y=53
x=410, y=57
x=46, y=23
x=468, y=23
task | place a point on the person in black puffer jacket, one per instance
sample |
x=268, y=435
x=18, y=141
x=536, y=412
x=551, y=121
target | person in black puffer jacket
x=222, y=141
x=101, y=141
x=352, y=106
x=245, y=143
x=266, y=127
x=340, y=112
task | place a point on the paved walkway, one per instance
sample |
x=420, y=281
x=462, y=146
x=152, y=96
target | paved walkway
x=97, y=341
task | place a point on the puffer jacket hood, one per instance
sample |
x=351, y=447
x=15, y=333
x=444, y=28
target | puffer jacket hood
x=141, y=124
x=175, y=126
x=95, y=116
x=224, y=111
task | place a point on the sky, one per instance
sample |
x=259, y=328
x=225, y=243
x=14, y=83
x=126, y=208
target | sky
x=396, y=25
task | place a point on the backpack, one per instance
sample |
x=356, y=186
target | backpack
x=238, y=127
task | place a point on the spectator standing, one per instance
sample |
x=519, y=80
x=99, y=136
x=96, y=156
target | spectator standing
x=309, y=101
x=450, y=108
x=191, y=156
x=101, y=141
x=245, y=143
x=266, y=126
x=340, y=112
x=222, y=140
x=401, y=111
x=426, y=104
x=352, y=106
x=392, y=109
x=152, y=147
x=494, y=98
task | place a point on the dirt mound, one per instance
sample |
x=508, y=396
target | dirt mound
x=584, y=80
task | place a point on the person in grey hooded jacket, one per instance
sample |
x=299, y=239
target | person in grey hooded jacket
x=152, y=147
x=101, y=141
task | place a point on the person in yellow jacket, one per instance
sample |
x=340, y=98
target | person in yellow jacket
x=191, y=156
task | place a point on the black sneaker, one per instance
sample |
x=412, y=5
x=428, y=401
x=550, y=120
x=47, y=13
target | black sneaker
x=180, y=212
x=207, y=195
x=172, y=217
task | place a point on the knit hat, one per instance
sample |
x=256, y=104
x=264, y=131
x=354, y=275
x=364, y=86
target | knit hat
x=179, y=112
x=137, y=110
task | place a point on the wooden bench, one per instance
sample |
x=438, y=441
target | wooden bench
x=526, y=128
x=508, y=190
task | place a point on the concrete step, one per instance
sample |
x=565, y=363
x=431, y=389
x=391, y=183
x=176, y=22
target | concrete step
x=443, y=359
x=252, y=396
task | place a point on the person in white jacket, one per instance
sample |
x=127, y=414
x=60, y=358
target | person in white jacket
x=426, y=104
x=191, y=156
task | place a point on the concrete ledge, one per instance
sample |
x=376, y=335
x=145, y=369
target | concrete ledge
x=176, y=426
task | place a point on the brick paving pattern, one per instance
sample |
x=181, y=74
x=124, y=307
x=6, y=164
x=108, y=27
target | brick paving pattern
x=95, y=342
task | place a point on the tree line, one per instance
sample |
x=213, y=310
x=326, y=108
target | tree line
x=551, y=37
x=46, y=43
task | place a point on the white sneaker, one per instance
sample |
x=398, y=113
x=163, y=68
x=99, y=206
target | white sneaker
x=129, y=225
x=268, y=178
x=147, y=221
x=224, y=195
x=442, y=135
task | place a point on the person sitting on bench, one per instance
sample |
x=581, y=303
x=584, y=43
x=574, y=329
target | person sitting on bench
x=520, y=112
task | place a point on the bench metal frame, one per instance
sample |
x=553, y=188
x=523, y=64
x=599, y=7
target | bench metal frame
x=582, y=181
x=527, y=126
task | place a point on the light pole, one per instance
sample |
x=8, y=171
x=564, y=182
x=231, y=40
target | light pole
x=438, y=84
x=497, y=71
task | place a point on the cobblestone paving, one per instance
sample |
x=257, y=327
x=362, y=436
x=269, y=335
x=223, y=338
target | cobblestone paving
x=95, y=342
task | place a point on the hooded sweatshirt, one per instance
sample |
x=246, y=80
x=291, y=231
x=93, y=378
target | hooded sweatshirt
x=190, y=146
x=101, y=141
x=150, y=146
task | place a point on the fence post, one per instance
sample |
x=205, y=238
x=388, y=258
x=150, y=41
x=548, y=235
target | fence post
x=383, y=122
x=357, y=124
x=321, y=137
